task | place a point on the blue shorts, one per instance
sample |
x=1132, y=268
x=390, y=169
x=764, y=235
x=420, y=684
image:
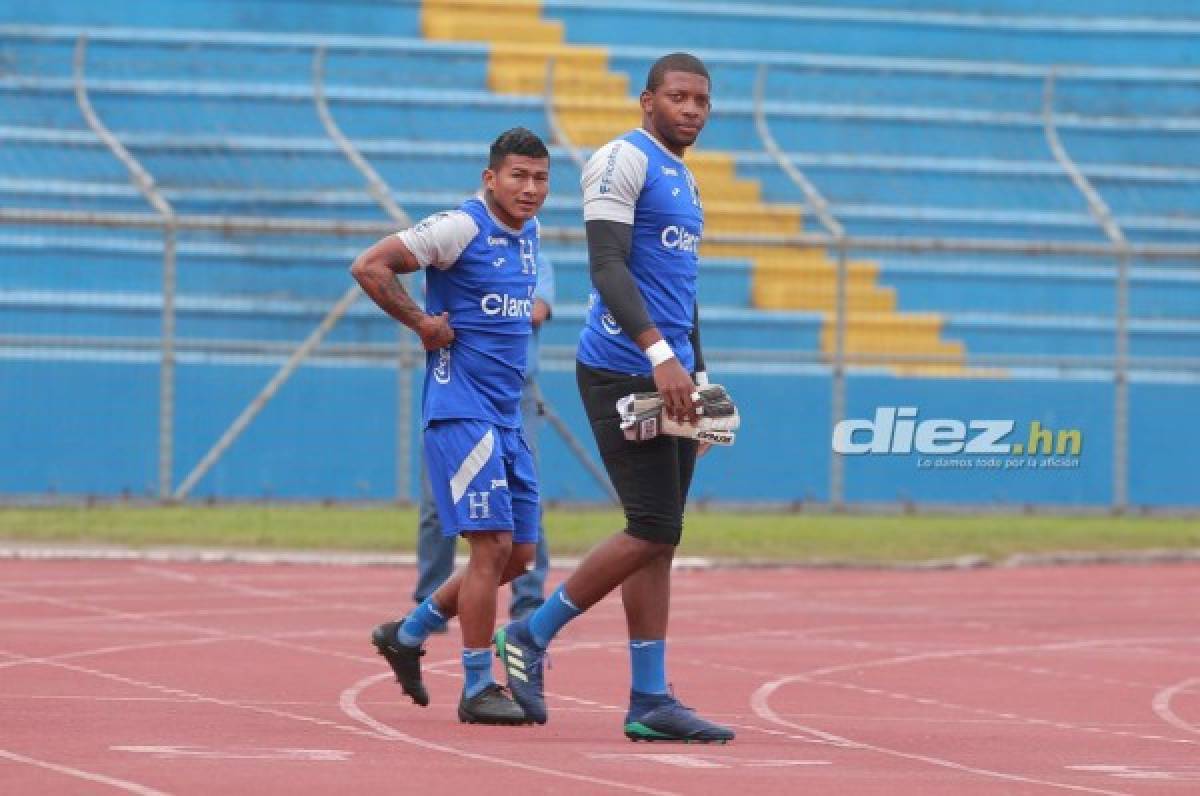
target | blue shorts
x=483, y=478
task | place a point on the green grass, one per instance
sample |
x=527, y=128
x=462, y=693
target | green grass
x=780, y=537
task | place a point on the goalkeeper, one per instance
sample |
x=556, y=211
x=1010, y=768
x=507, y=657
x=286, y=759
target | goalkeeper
x=644, y=220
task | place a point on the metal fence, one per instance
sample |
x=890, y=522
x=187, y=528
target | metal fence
x=837, y=239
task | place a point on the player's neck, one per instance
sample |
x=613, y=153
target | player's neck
x=677, y=151
x=513, y=224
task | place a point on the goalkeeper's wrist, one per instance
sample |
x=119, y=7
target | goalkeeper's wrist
x=659, y=353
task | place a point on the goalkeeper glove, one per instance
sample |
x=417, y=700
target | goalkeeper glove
x=643, y=416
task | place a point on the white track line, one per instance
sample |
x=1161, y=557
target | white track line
x=392, y=733
x=997, y=650
x=349, y=705
x=996, y=714
x=1162, y=705
x=197, y=697
x=120, y=784
x=760, y=702
x=218, y=635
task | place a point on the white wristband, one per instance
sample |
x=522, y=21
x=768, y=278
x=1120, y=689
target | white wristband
x=659, y=353
x=701, y=378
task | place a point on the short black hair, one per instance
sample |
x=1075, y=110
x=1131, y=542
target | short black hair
x=517, y=141
x=675, y=62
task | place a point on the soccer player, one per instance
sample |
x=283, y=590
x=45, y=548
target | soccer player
x=435, y=550
x=482, y=270
x=644, y=222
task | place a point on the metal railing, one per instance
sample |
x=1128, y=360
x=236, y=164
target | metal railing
x=381, y=192
x=147, y=187
x=820, y=208
x=1104, y=218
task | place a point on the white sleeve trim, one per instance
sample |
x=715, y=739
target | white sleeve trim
x=440, y=239
x=612, y=182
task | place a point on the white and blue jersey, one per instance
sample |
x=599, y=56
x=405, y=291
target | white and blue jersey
x=483, y=274
x=635, y=180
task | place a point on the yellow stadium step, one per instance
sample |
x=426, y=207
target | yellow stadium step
x=898, y=333
x=591, y=135
x=725, y=218
x=742, y=191
x=518, y=54
x=739, y=191
x=888, y=336
x=712, y=164
x=531, y=7
x=813, y=265
x=596, y=107
x=526, y=80
x=813, y=280
x=757, y=251
x=904, y=350
x=821, y=298
x=501, y=13
x=500, y=26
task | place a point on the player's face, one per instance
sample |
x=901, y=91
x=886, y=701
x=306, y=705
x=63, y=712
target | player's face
x=519, y=186
x=678, y=110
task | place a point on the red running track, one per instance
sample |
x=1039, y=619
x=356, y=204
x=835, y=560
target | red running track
x=195, y=679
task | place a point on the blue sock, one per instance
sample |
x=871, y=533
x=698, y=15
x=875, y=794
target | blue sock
x=649, y=662
x=550, y=617
x=419, y=624
x=477, y=666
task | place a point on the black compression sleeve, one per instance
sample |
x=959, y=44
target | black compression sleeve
x=609, y=244
x=695, y=337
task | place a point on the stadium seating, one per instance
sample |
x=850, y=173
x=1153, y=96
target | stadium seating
x=257, y=118
x=915, y=118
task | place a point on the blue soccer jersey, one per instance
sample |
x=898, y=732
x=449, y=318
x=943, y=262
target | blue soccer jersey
x=483, y=274
x=635, y=180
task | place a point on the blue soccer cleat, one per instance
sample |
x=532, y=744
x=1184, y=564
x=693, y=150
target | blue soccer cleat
x=663, y=718
x=523, y=663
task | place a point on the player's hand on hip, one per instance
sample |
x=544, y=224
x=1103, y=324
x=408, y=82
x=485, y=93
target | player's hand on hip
x=676, y=388
x=435, y=331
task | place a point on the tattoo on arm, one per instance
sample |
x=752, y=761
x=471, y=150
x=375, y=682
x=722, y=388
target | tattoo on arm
x=375, y=271
x=385, y=290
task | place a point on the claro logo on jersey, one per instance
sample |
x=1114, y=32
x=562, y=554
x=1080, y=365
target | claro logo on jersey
x=674, y=237
x=506, y=306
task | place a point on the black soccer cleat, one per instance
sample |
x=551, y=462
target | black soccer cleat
x=662, y=718
x=405, y=661
x=492, y=705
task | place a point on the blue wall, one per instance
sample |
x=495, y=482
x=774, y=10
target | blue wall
x=91, y=428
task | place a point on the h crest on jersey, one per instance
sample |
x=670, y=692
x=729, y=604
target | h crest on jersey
x=528, y=257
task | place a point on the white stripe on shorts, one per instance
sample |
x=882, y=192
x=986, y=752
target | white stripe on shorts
x=471, y=466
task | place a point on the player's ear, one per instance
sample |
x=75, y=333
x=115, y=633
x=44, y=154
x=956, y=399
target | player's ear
x=647, y=101
x=489, y=179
